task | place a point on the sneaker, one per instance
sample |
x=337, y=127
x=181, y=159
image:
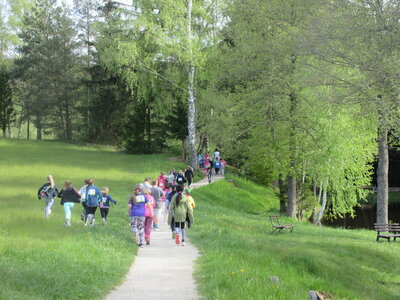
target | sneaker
x=104, y=222
x=148, y=242
x=183, y=243
x=177, y=241
x=140, y=245
x=156, y=229
x=82, y=217
x=66, y=223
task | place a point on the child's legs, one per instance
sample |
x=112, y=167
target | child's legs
x=67, y=209
x=179, y=226
x=134, y=225
x=147, y=226
x=172, y=225
x=104, y=212
x=48, y=203
x=140, y=228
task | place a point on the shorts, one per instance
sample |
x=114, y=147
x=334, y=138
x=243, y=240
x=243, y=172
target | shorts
x=157, y=212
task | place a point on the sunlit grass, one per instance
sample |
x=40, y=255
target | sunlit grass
x=240, y=254
x=42, y=259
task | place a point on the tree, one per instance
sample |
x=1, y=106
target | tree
x=7, y=112
x=49, y=64
x=369, y=47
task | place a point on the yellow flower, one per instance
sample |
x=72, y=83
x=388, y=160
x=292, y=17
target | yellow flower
x=233, y=273
x=242, y=271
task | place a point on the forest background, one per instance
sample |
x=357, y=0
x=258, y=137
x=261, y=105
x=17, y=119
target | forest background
x=300, y=94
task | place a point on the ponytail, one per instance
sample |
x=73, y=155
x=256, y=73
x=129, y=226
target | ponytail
x=179, y=190
x=178, y=198
x=51, y=181
x=135, y=193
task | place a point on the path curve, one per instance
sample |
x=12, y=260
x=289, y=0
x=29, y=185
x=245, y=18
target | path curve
x=163, y=270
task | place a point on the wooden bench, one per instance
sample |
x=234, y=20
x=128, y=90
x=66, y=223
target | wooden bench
x=387, y=231
x=277, y=226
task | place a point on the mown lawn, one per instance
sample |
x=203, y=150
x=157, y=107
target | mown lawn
x=240, y=254
x=42, y=259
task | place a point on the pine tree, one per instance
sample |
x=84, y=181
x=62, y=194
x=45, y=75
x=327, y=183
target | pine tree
x=7, y=111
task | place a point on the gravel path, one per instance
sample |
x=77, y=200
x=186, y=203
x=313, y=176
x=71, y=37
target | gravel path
x=163, y=270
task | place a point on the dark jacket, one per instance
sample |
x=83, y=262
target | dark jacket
x=180, y=179
x=46, y=192
x=189, y=174
x=69, y=195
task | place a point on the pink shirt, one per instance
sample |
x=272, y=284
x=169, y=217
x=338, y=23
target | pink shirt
x=162, y=182
x=149, y=213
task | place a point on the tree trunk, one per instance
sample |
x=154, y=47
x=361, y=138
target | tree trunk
x=282, y=200
x=38, y=129
x=68, y=123
x=382, y=174
x=28, y=128
x=191, y=91
x=322, y=210
x=10, y=131
x=4, y=132
x=292, y=196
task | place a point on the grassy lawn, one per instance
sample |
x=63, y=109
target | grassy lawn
x=240, y=254
x=42, y=259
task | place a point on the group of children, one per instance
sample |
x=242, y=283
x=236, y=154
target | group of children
x=170, y=194
x=166, y=193
x=89, y=196
x=208, y=163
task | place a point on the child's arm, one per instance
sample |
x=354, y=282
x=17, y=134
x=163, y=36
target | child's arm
x=112, y=200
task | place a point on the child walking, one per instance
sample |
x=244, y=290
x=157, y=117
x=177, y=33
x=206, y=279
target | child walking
x=69, y=196
x=137, y=212
x=105, y=204
x=180, y=209
x=149, y=214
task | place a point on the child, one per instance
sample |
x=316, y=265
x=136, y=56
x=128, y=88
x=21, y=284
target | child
x=180, y=178
x=189, y=198
x=167, y=191
x=69, y=196
x=223, y=164
x=149, y=215
x=162, y=181
x=180, y=209
x=92, y=198
x=105, y=204
x=137, y=212
x=168, y=203
x=48, y=192
x=82, y=192
x=217, y=165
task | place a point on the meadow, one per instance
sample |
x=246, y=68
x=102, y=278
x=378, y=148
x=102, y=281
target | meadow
x=42, y=259
x=239, y=253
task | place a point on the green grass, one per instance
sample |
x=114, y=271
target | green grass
x=239, y=253
x=42, y=259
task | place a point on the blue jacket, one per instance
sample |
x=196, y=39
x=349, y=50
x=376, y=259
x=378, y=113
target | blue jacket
x=93, y=196
x=106, y=200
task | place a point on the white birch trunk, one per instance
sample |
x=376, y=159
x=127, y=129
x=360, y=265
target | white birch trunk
x=324, y=199
x=383, y=180
x=191, y=92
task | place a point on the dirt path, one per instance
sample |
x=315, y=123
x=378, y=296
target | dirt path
x=163, y=270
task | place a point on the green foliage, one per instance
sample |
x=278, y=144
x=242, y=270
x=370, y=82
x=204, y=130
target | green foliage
x=240, y=254
x=7, y=112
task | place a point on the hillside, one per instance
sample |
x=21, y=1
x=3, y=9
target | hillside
x=240, y=254
x=42, y=259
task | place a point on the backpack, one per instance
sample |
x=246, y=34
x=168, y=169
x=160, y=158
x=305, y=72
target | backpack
x=45, y=192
